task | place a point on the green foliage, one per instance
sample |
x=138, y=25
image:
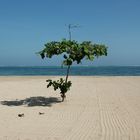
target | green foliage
x=60, y=84
x=73, y=51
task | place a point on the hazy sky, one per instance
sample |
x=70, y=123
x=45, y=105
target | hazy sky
x=26, y=25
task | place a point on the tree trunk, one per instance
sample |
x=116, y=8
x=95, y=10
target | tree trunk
x=63, y=97
x=68, y=69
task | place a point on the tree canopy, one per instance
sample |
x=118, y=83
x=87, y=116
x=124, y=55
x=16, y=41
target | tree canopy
x=73, y=51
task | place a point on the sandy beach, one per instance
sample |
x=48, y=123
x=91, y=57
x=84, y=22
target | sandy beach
x=96, y=108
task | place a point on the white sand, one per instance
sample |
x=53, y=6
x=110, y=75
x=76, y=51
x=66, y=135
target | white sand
x=96, y=108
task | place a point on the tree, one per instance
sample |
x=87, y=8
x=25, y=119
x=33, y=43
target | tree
x=72, y=51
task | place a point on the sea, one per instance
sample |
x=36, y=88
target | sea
x=75, y=70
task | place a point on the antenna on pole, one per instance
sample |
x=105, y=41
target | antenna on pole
x=70, y=26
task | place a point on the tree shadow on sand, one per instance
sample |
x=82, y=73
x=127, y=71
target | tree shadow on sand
x=33, y=101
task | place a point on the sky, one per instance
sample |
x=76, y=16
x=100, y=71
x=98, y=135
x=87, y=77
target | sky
x=26, y=25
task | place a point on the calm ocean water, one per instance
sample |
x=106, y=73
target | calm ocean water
x=82, y=70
